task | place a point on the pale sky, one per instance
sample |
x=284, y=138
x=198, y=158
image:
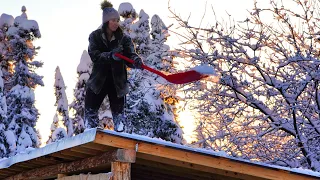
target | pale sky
x=66, y=24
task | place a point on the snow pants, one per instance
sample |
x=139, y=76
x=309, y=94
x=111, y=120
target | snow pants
x=93, y=102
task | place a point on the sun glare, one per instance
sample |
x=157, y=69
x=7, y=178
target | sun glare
x=187, y=122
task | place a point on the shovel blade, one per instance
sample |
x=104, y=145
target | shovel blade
x=185, y=77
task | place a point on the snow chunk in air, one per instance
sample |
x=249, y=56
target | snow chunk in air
x=205, y=69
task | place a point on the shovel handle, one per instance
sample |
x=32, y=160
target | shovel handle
x=143, y=66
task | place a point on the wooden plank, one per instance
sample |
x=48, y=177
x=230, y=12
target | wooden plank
x=16, y=168
x=121, y=171
x=119, y=155
x=63, y=157
x=47, y=161
x=74, y=154
x=84, y=150
x=34, y=163
x=3, y=176
x=6, y=172
x=220, y=163
x=146, y=172
x=61, y=175
x=159, y=162
x=98, y=147
x=181, y=171
x=27, y=165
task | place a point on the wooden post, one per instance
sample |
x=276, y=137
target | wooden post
x=121, y=171
x=61, y=175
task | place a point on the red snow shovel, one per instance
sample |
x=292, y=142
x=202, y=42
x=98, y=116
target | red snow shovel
x=178, y=78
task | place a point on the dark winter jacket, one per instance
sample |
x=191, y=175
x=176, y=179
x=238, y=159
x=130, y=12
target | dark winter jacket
x=104, y=65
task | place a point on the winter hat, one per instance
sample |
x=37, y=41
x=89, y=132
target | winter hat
x=108, y=12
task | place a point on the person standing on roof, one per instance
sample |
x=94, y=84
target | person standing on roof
x=109, y=73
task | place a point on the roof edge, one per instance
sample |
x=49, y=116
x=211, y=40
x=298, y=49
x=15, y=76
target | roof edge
x=66, y=143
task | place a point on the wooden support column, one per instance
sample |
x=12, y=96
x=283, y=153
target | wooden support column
x=61, y=175
x=121, y=171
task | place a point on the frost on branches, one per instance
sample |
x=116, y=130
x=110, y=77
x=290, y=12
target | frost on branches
x=22, y=114
x=83, y=71
x=266, y=106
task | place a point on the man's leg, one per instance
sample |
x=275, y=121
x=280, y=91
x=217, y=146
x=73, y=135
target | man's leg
x=92, y=105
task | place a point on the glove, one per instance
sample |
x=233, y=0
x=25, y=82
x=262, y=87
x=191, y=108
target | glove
x=138, y=63
x=116, y=50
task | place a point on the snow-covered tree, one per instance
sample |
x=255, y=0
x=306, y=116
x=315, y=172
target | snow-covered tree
x=22, y=113
x=140, y=33
x=57, y=132
x=62, y=102
x=4, y=146
x=147, y=111
x=3, y=141
x=128, y=13
x=77, y=106
x=160, y=55
x=266, y=105
x=147, y=114
x=6, y=21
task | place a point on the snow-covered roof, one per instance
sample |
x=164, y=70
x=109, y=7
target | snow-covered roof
x=80, y=139
x=209, y=152
x=140, y=143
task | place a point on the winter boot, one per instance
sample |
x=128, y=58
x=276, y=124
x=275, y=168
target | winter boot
x=91, y=118
x=119, y=122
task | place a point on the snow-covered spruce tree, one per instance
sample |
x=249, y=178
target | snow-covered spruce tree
x=57, y=132
x=77, y=106
x=128, y=13
x=266, y=105
x=140, y=33
x=160, y=55
x=22, y=112
x=147, y=113
x=161, y=58
x=3, y=141
x=4, y=146
x=62, y=102
x=7, y=139
x=6, y=21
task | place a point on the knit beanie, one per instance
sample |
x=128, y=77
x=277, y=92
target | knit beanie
x=108, y=12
